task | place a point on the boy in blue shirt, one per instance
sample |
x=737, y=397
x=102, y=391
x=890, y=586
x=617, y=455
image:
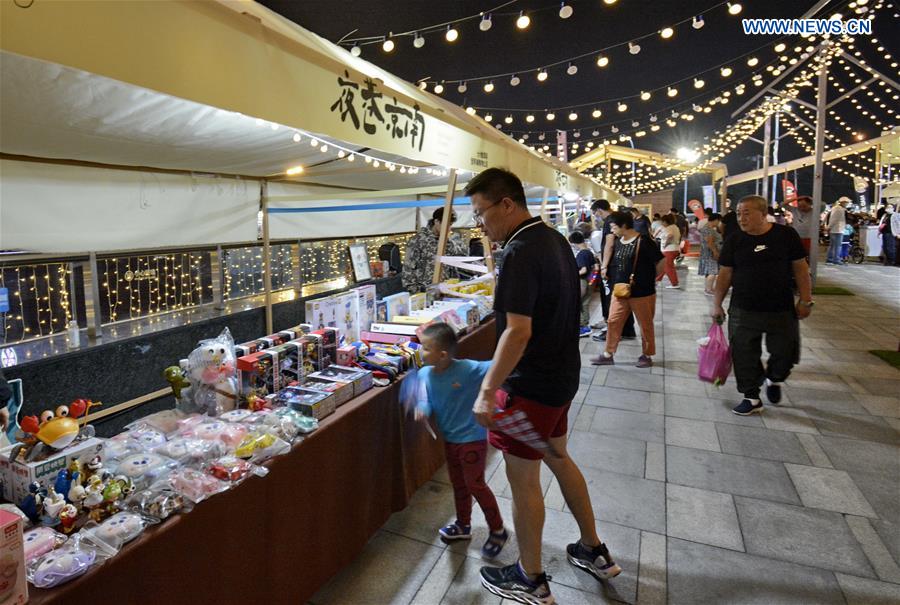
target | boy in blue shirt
x=450, y=389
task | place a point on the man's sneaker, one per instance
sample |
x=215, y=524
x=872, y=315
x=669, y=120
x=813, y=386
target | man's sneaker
x=603, y=360
x=455, y=531
x=510, y=583
x=601, y=337
x=673, y=287
x=644, y=361
x=584, y=332
x=596, y=561
x=600, y=325
x=773, y=391
x=746, y=407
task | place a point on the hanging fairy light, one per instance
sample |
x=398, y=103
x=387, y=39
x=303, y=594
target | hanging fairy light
x=752, y=62
x=734, y=8
x=565, y=11
x=356, y=50
x=602, y=61
x=572, y=69
x=699, y=83
x=438, y=88
x=542, y=75
x=666, y=33
x=697, y=22
x=523, y=21
x=462, y=87
x=388, y=44
x=551, y=116
x=622, y=107
x=486, y=23
x=672, y=91
x=596, y=114
x=489, y=87
x=634, y=48
x=573, y=116
x=418, y=41
x=452, y=34
x=514, y=80
x=726, y=71
x=645, y=96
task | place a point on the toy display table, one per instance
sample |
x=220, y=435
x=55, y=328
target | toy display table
x=279, y=538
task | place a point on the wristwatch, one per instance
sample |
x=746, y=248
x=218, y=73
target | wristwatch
x=807, y=304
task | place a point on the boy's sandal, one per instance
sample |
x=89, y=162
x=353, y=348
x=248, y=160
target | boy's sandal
x=494, y=544
x=456, y=532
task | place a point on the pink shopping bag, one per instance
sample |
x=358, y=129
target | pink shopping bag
x=714, y=357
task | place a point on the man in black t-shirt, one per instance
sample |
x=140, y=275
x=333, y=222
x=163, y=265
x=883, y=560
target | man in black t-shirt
x=532, y=380
x=759, y=263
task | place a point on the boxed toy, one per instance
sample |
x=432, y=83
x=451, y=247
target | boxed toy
x=347, y=310
x=18, y=475
x=320, y=313
x=13, y=586
x=312, y=353
x=259, y=373
x=346, y=355
x=330, y=339
x=371, y=337
x=290, y=361
x=366, y=307
x=418, y=301
x=398, y=329
x=432, y=293
x=361, y=380
x=316, y=404
x=342, y=392
x=380, y=310
x=397, y=304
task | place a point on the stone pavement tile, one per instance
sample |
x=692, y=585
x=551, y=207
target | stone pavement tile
x=572, y=415
x=439, y=579
x=855, y=387
x=881, y=386
x=819, y=344
x=622, y=399
x=890, y=536
x=855, y=455
x=585, y=418
x=816, y=454
x=553, y=497
x=606, y=452
x=761, y=443
x=430, y=508
x=634, y=380
x=580, y=395
x=857, y=344
x=587, y=374
x=810, y=380
x=657, y=404
x=683, y=386
x=652, y=576
x=655, y=467
x=880, y=405
x=561, y=529
x=680, y=369
x=631, y=425
x=698, y=408
x=692, y=433
x=828, y=489
x=866, y=428
x=731, y=474
x=782, y=418
x=801, y=535
x=627, y=500
x=705, y=575
x=862, y=371
x=390, y=569
x=466, y=588
x=894, y=422
x=879, y=556
x=860, y=591
x=830, y=401
x=599, y=376
x=880, y=490
x=702, y=516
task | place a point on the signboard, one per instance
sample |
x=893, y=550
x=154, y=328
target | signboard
x=790, y=192
x=4, y=300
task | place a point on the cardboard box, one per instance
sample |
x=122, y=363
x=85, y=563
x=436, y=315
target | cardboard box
x=380, y=310
x=316, y=404
x=347, y=319
x=342, y=392
x=366, y=307
x=290, y=362
x=417, y=302
x=320, y=313
x=361, y=380
x=17, y=476
x=398, y=329
x=13, y=586
x=311, y=353
x=346, y=355
x=258, y=372
x=330, y=338
x=397, y=304
x=392, y=339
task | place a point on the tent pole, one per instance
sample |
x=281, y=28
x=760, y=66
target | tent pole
x=267, y=252
x=817, y=176
x=767, y=143
x=445, y=225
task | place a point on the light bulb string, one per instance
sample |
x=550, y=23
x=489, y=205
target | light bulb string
x=365, y=40
x=574, y=58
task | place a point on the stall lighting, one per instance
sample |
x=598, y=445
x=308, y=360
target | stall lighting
x=294, y=170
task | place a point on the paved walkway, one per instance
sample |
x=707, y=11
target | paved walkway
x=798, y=505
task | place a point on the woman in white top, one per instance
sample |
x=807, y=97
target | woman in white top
x=671, y=246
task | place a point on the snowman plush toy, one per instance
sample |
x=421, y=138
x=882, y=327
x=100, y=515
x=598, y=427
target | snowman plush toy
x=212, y=372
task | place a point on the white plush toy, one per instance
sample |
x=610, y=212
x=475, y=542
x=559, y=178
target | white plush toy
x=211, y=369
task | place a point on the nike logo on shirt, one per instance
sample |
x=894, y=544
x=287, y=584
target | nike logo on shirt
x=760, y=248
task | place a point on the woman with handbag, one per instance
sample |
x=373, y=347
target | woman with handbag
x=633, y=269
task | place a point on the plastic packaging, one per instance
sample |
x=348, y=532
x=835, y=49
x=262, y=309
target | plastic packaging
x=195, y=485
x=212, y=429
x=259, y=446
x=144, y=468
x=189, y=450
x=121, y=528
x=41, y=540
x=714, y=358
x=74, y=558
x=158, y=502
x=213, y=375
x=165, y=421
x=234, y=470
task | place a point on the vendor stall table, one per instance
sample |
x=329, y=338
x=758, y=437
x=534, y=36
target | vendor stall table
x=279, y=538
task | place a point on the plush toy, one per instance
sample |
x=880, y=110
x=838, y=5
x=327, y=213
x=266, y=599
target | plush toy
x=213, y=376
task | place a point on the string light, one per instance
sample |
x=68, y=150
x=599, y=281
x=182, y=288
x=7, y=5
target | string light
x=486, y=23
x=542, y=75
x=734, y=8
x=602, y=61
x=489, y=87
x=697, y=22
x=523, y=21
x=452, y=34
x=418, y=41
x=666, y=33
x=388, y=45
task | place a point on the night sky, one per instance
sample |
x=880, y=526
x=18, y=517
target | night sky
x=595, y=28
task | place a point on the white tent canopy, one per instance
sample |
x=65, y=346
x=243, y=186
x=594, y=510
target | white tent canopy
x=167, y=89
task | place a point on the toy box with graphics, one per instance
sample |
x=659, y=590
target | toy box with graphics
x=311, y=353
x=309, y=402
x=17, y=476
x=347, y=315
x=258, y=373
x=330, y=339
x=366, y=307
x=397, y=304
x=290, y=362
x=320, y=313
x=342, y=392
x=361, y=380
x=13, y=586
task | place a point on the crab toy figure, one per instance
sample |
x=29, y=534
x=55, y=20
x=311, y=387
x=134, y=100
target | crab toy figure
x=54, y=430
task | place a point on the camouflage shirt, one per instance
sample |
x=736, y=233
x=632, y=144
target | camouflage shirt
x=418, y=266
